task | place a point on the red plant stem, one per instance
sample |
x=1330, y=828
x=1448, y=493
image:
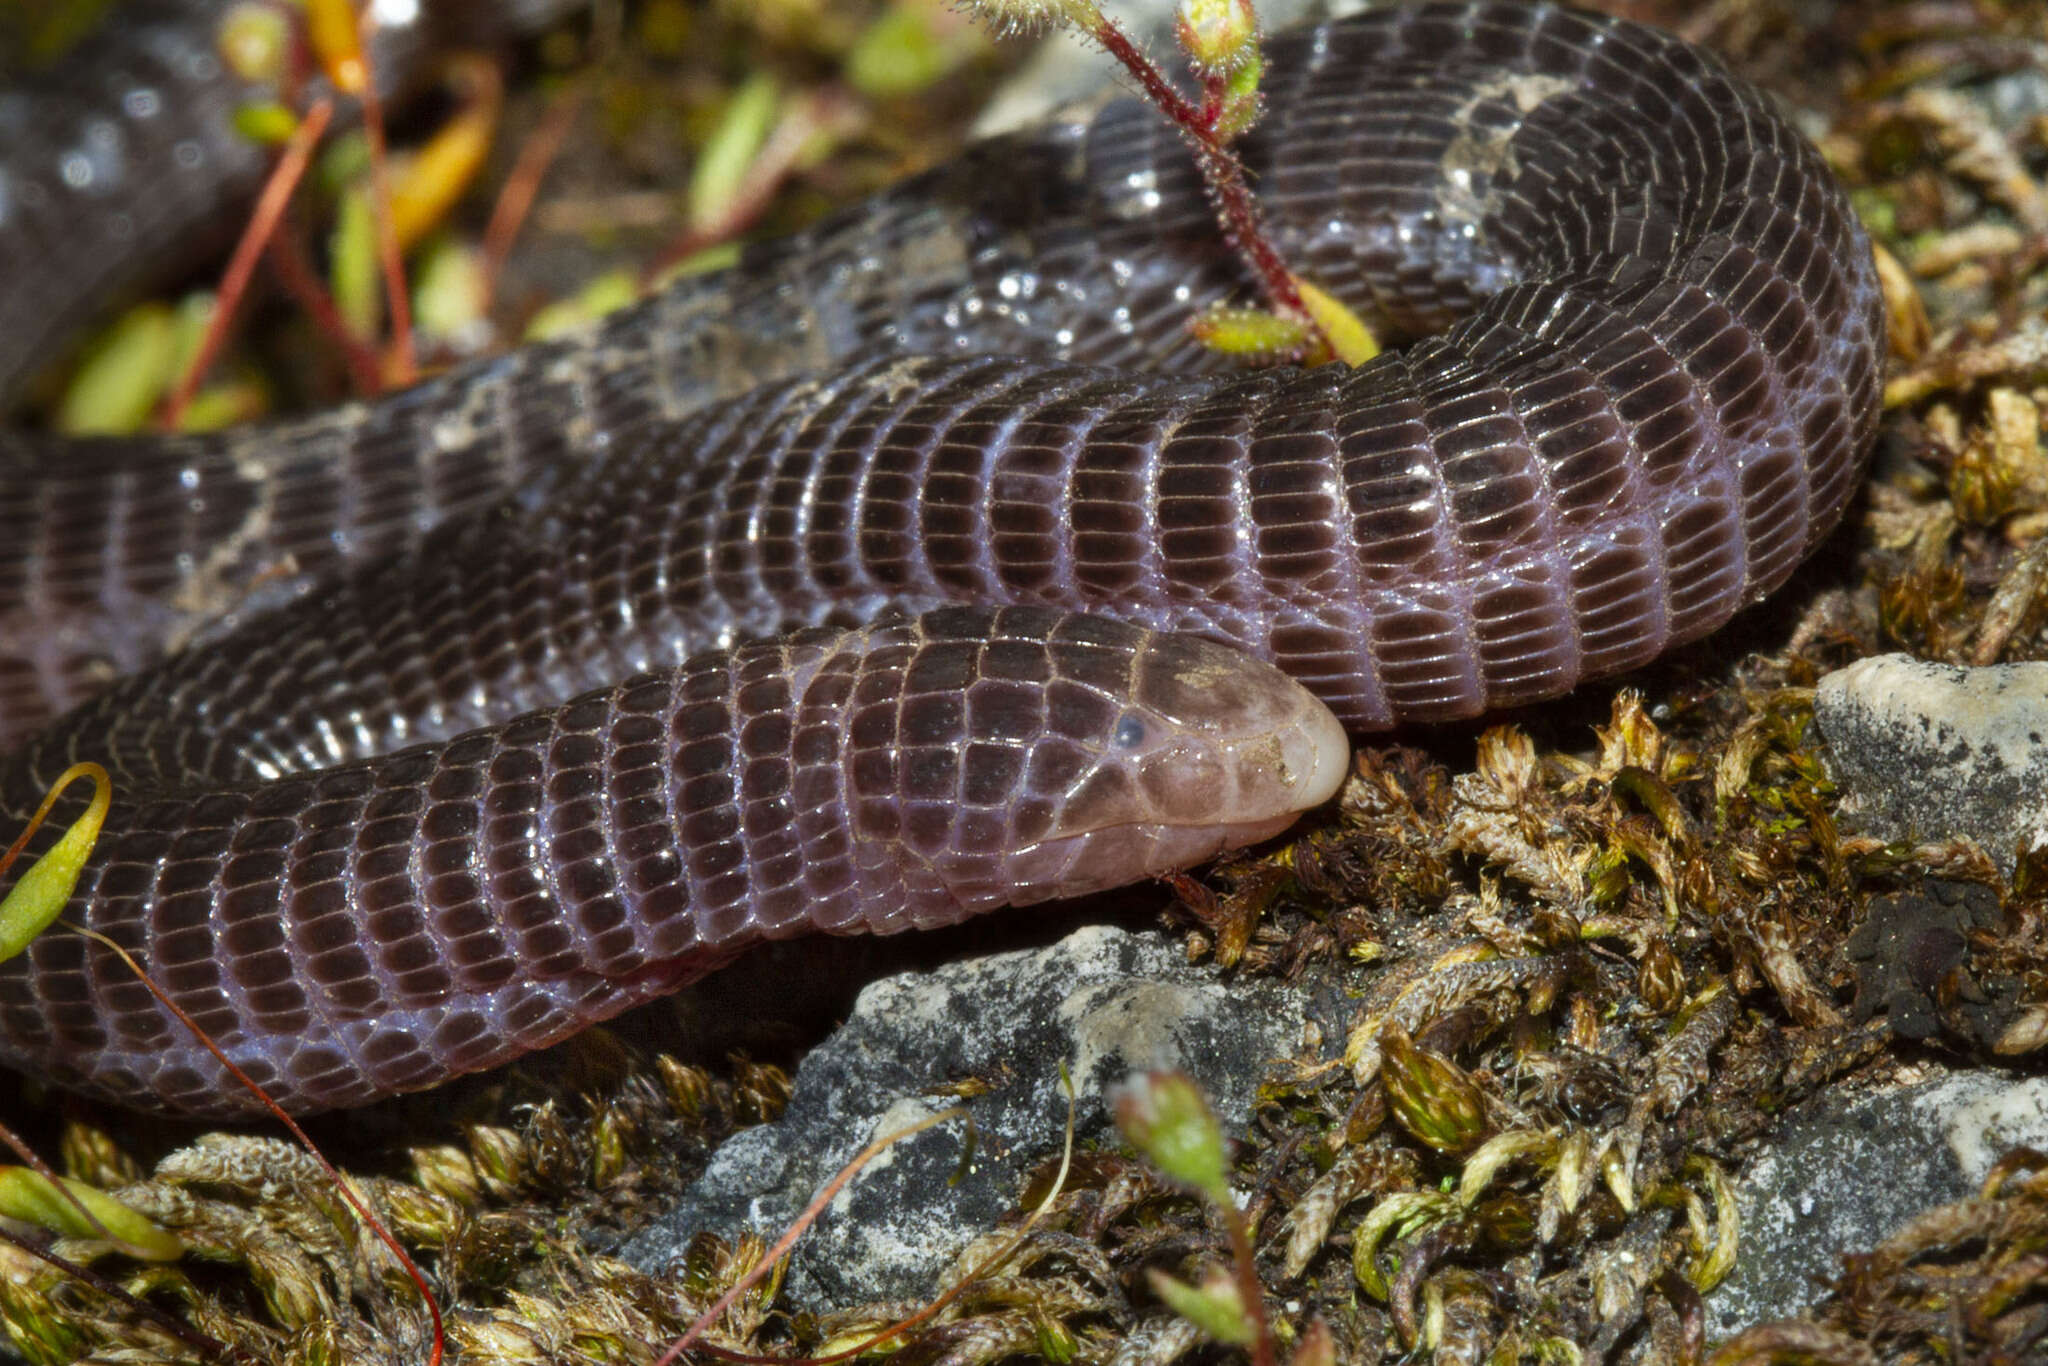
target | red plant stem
x=295, y=273
x=234, y=282
x=49, y=804
x=538, y=153
x=404, y=363
x=796, y=1230
x=199, y=1342
x=71, y=1197
x=1213, y=90
x=1264, y=1353
x=954, y=1292
x=1222, y=172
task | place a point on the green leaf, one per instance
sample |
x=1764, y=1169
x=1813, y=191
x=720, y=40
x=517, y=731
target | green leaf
x=448, y=290
x=1214, y=1306
x=899, y=54
x=129, y=367
x=729, y=153
x=32, y=1198
x=38, y=896
x=352, y=270
x=1252, y=333
x=266, y=123
x=612, y=290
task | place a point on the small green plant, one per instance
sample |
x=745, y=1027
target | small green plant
x=1299, y=323
x=36, y=899
x=1167, y=1119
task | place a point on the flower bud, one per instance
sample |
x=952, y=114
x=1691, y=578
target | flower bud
x=254, y=41
x=1164, y=1116
x=1219, y=35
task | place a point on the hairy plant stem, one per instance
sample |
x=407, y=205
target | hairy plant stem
x=1222, y=172
x=1264, y=1352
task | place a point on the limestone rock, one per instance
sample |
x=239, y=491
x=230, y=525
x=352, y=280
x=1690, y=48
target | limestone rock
x=1842, y=1176
x=1926, y=752
x=1103, y=1001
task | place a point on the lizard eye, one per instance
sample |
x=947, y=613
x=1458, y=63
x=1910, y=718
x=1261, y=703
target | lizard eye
x=1130, y=733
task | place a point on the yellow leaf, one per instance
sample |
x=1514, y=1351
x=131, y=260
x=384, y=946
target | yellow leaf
x=338, y=43
x=1349, y=337
x=430, y=181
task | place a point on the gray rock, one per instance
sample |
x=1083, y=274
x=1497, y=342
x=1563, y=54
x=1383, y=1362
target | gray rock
x=1926, y=752
x=1843, y=1175
x=1102, y=1001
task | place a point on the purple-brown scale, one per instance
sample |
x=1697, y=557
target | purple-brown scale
x=1654, y=395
